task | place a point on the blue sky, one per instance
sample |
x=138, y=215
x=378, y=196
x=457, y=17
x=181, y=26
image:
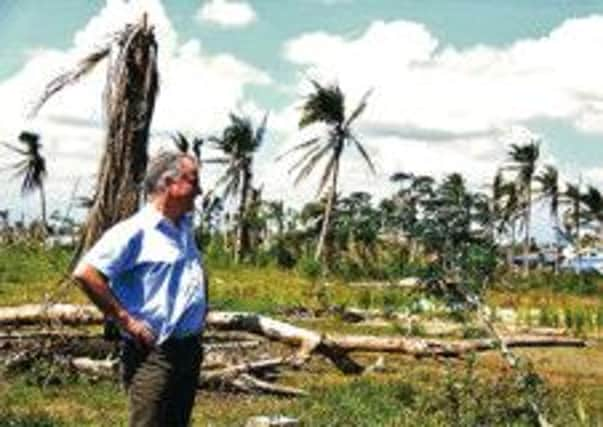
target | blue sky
x=455, y=81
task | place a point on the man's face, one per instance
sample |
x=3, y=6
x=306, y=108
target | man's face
x=185, y=188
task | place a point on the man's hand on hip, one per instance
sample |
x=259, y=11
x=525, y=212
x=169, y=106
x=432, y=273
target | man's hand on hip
x=138, y=330
x=96, y=286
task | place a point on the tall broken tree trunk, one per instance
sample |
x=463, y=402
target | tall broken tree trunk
x=131, y=88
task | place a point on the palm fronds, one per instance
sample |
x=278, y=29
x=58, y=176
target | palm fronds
x=85, y=66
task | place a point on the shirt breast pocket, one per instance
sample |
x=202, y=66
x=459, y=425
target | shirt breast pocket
x=160, y=251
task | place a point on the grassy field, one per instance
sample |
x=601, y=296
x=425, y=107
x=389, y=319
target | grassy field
x=479, y=390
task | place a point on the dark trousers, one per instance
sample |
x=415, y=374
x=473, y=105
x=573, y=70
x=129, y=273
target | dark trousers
x=161, y=382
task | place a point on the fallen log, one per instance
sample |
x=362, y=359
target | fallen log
x=307, y=342
x=67, y=314
x=428, y=347
x=336, y=347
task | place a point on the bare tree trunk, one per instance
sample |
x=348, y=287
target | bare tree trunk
x=43, y=206
x=557, y=244
x=511, y=246
x=328, y=212
x=132, y=84
x=241, y=242
x=526, y=242
x=577, y=222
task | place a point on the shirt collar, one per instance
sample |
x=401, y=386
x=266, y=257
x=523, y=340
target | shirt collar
x=153, y=218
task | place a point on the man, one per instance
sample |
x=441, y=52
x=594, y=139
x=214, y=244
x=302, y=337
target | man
x=145, y=273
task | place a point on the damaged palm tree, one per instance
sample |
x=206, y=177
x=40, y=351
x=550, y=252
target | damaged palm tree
x=131, y=89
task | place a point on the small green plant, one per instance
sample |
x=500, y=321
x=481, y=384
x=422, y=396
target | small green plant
x=366, y=299
x=581, y=321
x=568, y=317
x=474, y=332
x=216, y=253
x=309, y=268
x=599, y=318
x=546, y=316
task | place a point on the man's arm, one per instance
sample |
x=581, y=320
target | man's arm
x=95, y=285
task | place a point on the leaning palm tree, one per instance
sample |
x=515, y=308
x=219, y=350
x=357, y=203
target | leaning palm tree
x=549, y=188
x=524, y=158
x=326, y=105
x=131, y=88
x=32, y=168
x=239, y=142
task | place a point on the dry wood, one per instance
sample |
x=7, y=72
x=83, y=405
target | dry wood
x=249, y=383
x=40, y=335
x=428, y=347
x=104, y=368
x=335, y=347
x=305, y=339
x=238, y=345
x=235, y=377
x=235, y=370
x=67, y=314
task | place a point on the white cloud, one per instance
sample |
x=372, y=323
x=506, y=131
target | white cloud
x=422, y=84
x=197, y=90
x=226, y=13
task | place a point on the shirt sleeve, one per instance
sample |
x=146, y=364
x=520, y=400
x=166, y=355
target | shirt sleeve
x=115, y=252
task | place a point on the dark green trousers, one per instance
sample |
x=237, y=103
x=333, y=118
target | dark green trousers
x=161, y=382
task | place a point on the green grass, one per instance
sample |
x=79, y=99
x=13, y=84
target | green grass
x=414, y=392
x=80, y=403
x=563, y=283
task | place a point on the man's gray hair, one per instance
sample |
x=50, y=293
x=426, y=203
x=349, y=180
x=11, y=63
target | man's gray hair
x=165, y=164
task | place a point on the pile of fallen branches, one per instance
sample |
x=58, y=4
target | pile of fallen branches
x=237, y=346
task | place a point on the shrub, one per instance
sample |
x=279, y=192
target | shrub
x=309, y=268
x=216, y=253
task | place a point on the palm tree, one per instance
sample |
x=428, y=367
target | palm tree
x=32, y=168
x=549, y=188
x=509, y=211
x=239, y=141
x=183, y=144
x=326, y=105
x=524, y=158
